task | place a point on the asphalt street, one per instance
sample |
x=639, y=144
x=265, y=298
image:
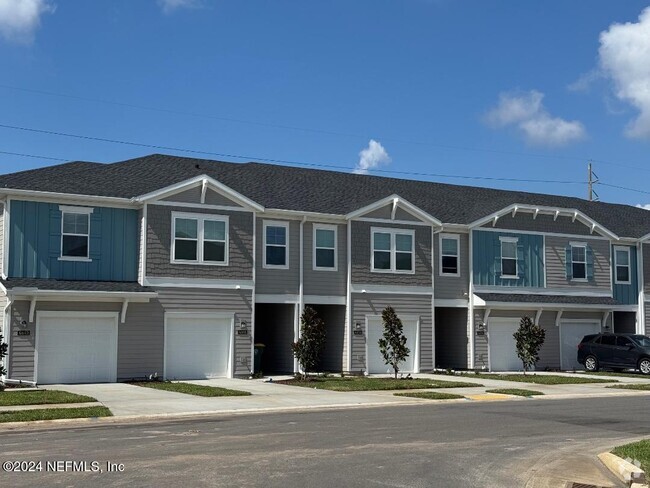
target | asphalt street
x=530, y=443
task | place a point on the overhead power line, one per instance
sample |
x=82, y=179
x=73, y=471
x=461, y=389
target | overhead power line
x=32, y=156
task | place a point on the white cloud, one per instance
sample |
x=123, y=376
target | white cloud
x=624, y=56
x=526, y=112
x=19, y=19
x=372, y=157
x=646, y=206
x=169, y=6
x=585, y=81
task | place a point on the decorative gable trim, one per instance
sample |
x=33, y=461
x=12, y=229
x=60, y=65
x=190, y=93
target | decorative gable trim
x=396, y=201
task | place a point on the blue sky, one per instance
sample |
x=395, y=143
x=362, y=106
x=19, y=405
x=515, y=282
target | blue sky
x=507, y=89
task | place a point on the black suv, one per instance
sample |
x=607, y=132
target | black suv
x=615, y=351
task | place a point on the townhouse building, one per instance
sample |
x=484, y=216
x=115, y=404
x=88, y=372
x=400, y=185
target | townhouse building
x=178, y=267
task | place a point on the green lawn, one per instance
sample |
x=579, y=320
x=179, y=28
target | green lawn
x=540, y=379
x=515, y=391
x=54, y=413
x=372, y=384
x=629, y=374
x=430, y=395
x=637, y=451
x=638, y=386
x=41, y=397
x=191, y=389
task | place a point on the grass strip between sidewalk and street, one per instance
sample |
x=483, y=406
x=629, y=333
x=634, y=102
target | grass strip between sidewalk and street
x=636, y=451
x=614, y=374
x=515, y=391
x=632, y=386
x=192, y=389
x=430, y=395
x=374, y=384
x=54, y=413
x=41, y=397
x=539, y=379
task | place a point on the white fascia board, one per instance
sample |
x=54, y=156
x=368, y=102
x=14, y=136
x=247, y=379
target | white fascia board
x=72, y=198
x=391, y=289
x=401, y=202
x=299, y=215
x=542, y=291
x=76, y=295
x=197, y=181
x=556, y=211
x=173, y=282
x=554, y=306
x=645, y=238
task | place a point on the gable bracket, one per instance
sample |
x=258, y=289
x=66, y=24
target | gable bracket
x=514, y=211
x=557, y=214
x=558, y=317
x=204, y=189
x=125, y=306
x=538, y=314
x=535, y=213
x=394, y=209
x=575, y=216
x=605, y=317
x=494, y=222
x=32, y=308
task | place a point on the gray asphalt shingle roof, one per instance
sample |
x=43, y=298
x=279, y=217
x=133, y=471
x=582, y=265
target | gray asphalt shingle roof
x=559, y=299
x=310, y=190
x=67, y=285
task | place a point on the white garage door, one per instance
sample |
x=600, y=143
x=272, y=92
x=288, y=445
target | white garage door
x=76, y=347
x=571, y=333
x=376, y=364
x=197, y=346
x=503, y=348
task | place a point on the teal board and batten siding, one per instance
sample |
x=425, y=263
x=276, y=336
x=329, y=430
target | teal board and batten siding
x=626, y=294
x=364, y=304
x=486, y=249
x=35, y=244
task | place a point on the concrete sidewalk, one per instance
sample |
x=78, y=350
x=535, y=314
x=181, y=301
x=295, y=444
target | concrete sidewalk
x=126, y=400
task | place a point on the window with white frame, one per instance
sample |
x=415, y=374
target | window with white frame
x=75, y=233
x=508, y=257
x=622, y=265
x=276, y=244
x=579, y=261
x=393, y=251
x=199, y=239
x=325, y=247
x=449, y=255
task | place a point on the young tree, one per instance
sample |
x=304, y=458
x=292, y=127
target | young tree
x=3, y=353
x=307, y=349
x=393, y=343
x=529, y=338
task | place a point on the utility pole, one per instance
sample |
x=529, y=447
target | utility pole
x=592, y=179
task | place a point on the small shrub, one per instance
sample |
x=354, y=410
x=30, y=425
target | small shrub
x=529, y=339
x=393, y=343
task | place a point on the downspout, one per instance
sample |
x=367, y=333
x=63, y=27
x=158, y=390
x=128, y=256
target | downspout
x=434, y=232
x=349, y=297
x=640, y=323
x=471, y=299
x=251, y=367
x=301, y=304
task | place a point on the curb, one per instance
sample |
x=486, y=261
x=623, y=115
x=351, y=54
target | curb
x=623, y=470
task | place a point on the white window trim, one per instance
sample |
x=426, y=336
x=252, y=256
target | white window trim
x=628, y=265
x=200, y=218
x=573, y=244
x=515, y=241
x=82, y=211
x=333, y=228
x=276, y=223
x=393, y=249
x=455, y=237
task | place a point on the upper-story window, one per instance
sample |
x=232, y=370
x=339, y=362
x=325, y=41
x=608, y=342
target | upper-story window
x=276, y=244
x=622, y=265
x=393, y=251
x=75, y=233
x=508, y=257
x=199, y=239
x=579, y=261
x=449, y=255
x=325, y=247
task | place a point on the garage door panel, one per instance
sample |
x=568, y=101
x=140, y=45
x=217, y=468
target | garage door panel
x=198, y=347
x=571, y=333
x=503, y=347
x=79, y=348
x=375, y=363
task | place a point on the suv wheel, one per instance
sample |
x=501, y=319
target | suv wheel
x=644, y=366
x=591, y=364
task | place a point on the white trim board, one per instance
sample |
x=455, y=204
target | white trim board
x=391, y=289
x=505, y=290
x=415, y=349
x=171, y=282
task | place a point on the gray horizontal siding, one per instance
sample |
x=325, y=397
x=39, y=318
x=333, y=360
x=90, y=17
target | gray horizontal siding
x=374, y=304
x=556, y=264
x=543, y=223
x=647, y=318
x=159, y=240
x=361, y=252
x=278, y=281
x=386, y=212
x=480, y=342
x=320, y=282
x=193, y=195
x=452, y=287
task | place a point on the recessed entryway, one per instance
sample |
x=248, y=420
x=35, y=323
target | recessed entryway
x=76, y=347
x=198, y=345
x=275, y=327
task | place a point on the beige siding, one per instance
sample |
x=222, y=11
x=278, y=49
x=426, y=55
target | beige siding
x=278, y=281
x=556, y=264
x=240, y=248
x=374, y=304
x=361, y=252
x=543, y=223
x=325, y=282
x=452, y=287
